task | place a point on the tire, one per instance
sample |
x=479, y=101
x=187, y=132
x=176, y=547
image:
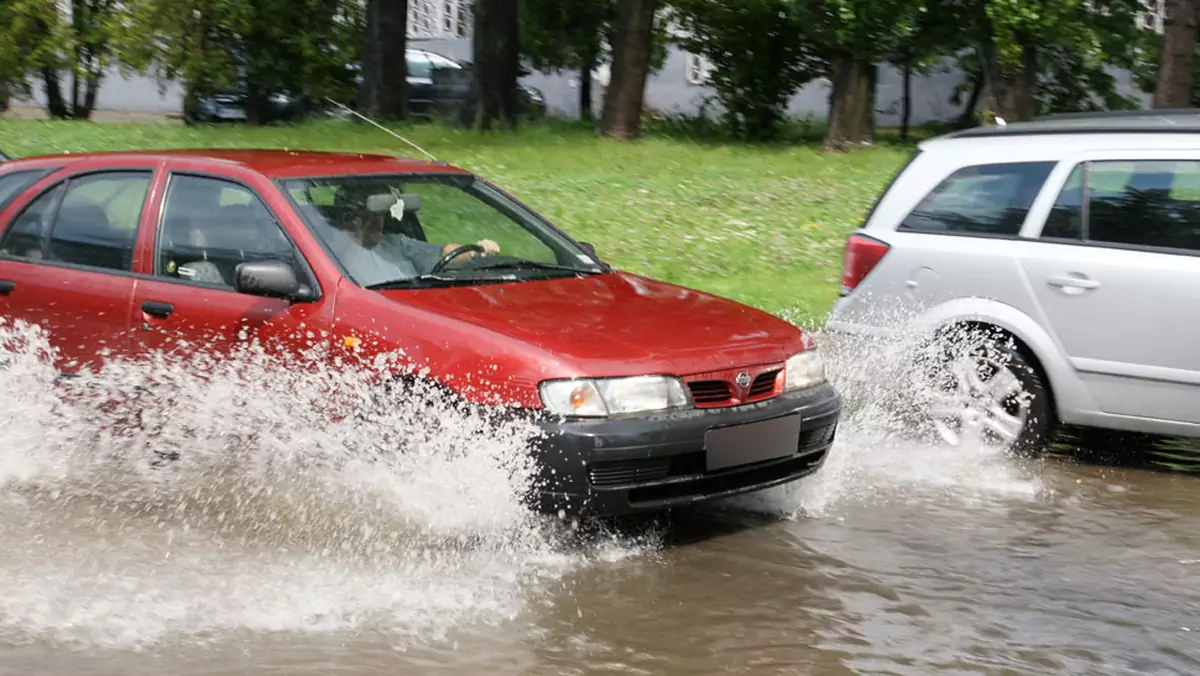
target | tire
x=992, y=389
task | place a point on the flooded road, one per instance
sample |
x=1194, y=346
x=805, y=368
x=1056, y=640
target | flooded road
x=281, y=556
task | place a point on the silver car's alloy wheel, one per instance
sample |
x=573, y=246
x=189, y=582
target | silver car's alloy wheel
x=979, y=402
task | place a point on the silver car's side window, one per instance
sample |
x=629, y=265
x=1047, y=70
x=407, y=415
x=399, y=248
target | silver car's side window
x=1066, y=218
x=984, y=199
x=1140, y=203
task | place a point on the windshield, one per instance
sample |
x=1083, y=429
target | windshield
x=426, y=230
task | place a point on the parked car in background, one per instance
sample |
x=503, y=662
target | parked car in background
x=1070, y=246
x=230, y=105
x=650, y=395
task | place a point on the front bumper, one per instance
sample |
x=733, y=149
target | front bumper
x=626, y=466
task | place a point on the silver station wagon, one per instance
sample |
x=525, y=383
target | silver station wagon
x=1065, y=252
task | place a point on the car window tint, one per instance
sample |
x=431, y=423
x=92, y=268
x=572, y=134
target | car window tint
x=26, y=237
x=419, y=66
x=210, y=225
x=990, y=199
x=94, y=225
x=439, y=62
x=450, y=214
x=1145, y=203
x=1065, y=220
x=12, y=183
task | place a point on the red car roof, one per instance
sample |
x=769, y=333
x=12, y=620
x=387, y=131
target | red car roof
x=274, y=163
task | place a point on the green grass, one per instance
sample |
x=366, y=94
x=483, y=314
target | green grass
x=764, y=225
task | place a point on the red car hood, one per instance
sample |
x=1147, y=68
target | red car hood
x=619, y=323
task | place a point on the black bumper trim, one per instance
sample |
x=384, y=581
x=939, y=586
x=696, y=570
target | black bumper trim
x=618, y=467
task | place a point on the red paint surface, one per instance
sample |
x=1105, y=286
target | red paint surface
x=492, y=339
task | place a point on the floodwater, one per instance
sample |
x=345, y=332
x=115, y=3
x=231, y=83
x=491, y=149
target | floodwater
x=272, y=547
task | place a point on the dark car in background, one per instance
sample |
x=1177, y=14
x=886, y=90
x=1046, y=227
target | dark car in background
x=230, y=105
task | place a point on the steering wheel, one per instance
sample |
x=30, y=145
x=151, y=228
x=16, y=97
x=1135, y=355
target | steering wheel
x=438, y=266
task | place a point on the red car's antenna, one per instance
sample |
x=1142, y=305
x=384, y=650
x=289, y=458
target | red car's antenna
x=359, y=115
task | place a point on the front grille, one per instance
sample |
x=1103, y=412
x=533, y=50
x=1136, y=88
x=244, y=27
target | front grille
x=763, y=384
x=621, y=472
x=710, y=391
x=812, y=439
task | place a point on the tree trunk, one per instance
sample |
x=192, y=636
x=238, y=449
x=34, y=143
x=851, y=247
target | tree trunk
x=1013, y=91
x=967, y=118
x=385, y=69
x=633, y=48
x=84, y=90
x=496, y=43
x=55, y=105
x=1175, y=64
x=5, y=94
x=79, y=22
x=851, y=103
x=90, y=93
x=869, y=109
x=906, y=103
x=256, y=102
x=585, y=88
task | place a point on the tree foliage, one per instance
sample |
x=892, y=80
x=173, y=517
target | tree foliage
x=759, y=53
x=46, y=40
x=30, y=35
x=303, y=47
x=1075, y=45
x=565, y=34
x=576, y=35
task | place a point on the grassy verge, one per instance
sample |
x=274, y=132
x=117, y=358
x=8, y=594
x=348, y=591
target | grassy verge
x=762, y=225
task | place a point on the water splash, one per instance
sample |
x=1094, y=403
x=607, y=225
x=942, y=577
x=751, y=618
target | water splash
x=304, y=497
x=248, y=490
x=886, y=449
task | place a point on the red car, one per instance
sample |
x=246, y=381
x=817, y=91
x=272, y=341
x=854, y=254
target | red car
x=652, y=395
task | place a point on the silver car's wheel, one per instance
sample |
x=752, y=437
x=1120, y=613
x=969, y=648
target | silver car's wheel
x=990, y=397
x=983, y=402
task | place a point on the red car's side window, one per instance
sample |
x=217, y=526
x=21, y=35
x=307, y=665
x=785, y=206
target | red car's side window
x=12, y=183
x=89, y=220
x=210, y=225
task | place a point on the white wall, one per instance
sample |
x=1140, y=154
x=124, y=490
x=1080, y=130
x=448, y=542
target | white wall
x=137, y=93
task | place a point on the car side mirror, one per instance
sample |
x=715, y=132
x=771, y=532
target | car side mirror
x=270, y=278
x=588, y=247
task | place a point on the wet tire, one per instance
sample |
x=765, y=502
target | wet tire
x=1039, y=426
x=990, y=388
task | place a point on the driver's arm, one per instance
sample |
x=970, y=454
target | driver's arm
x=489, y=247
x=423, y=255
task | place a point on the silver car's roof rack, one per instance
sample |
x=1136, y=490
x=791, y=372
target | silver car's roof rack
x=1166, y=120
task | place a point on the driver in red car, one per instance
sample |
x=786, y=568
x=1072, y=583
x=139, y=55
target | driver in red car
x=373, y=254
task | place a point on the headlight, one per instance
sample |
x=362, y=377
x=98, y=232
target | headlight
x=804, y=370
x=600, y=397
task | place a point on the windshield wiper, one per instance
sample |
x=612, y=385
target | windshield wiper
x=422, y=281
x=533, y=265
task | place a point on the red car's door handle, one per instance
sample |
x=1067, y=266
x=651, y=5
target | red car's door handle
x=157, y=309
x=7, y=286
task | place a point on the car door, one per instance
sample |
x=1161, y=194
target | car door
x=1115, y=272
x=12, y=184
x=67, y=258
x=188, y=299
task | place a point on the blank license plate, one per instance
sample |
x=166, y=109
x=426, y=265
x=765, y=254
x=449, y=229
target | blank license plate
x=752, y=442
